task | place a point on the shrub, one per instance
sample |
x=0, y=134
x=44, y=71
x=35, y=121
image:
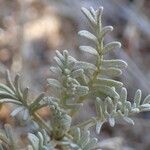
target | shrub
x=76, y=81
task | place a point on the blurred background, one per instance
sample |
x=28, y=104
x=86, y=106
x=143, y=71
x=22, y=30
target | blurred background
x=31, y=31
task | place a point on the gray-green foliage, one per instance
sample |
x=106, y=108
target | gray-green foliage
x=75, y=81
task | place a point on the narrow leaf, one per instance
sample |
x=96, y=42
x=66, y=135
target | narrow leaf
x=3, y=87
x=98, y=126
x=98, y=15
x=109, y=82
x=16, y=111
x=89, y=16
x=91, y=145
x=34, y=141
x=88, y=49
x=92, y=11
x=135, y=110
x=112, y=72
x=117, y=63
x=85, y=138
x=129, y=120
x=84, y=65
x=123, y=95
x=18, y=89
x=60, y=56
x=55, y=70
x=147, y=99
x=9, y=82
x=110, y=46
x=54, y=83
x=87, y=35
x=25, y=94
x=10, y=101
x=145, y=106
x=137, y=97
x=77, y=73
x=128, y=105
x=106, y=30
x=65, y=55
x=111, y=121
x=76, y=133
x=59, y=63
x=82, y=90
x=25, y=114
x=10, y=135
x=4, y=95
x=108, y=91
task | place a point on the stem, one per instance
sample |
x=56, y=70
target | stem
x=99, y=46
x=41, y=122
x=83, y=124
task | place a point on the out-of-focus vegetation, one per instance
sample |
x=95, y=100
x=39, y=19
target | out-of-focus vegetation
x=31, y=30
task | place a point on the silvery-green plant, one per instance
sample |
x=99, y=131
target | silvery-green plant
x=76, y=82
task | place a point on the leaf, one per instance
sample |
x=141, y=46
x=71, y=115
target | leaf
x=135, y=110
x=9, y=82
x=10, y=101
x=98, y=105
x=59, y=63
x=108, y=91
x=111, y=121
x=87, y=35
x=82, y=90
x=113, y=72
x=77, y=73
x=98, y=126
x=25, y=94
x=10, y=136
x=18, y=89
x=54, y=83
x=128, y=105
x=3, y=138
x=60, y=56
x=4, y=95
x=84, y=65
x=129, y=120
x=110, y=46
x=106, y=30
x=55, y=70
x=6, y=89
x=76, y=134
x=16, y=111
x=84, y=139
x=92, y=11
x=65, y=55
x=25, y=114
x=89, y=49
x=143, y=106
x=123, y=95
x=98, y=14
x=34, y=141
x=109, y=82
x=117, y=63
x=41, y=139
x=91, y=145
x=137, y=97
x=147, y=99
x=89, y=16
